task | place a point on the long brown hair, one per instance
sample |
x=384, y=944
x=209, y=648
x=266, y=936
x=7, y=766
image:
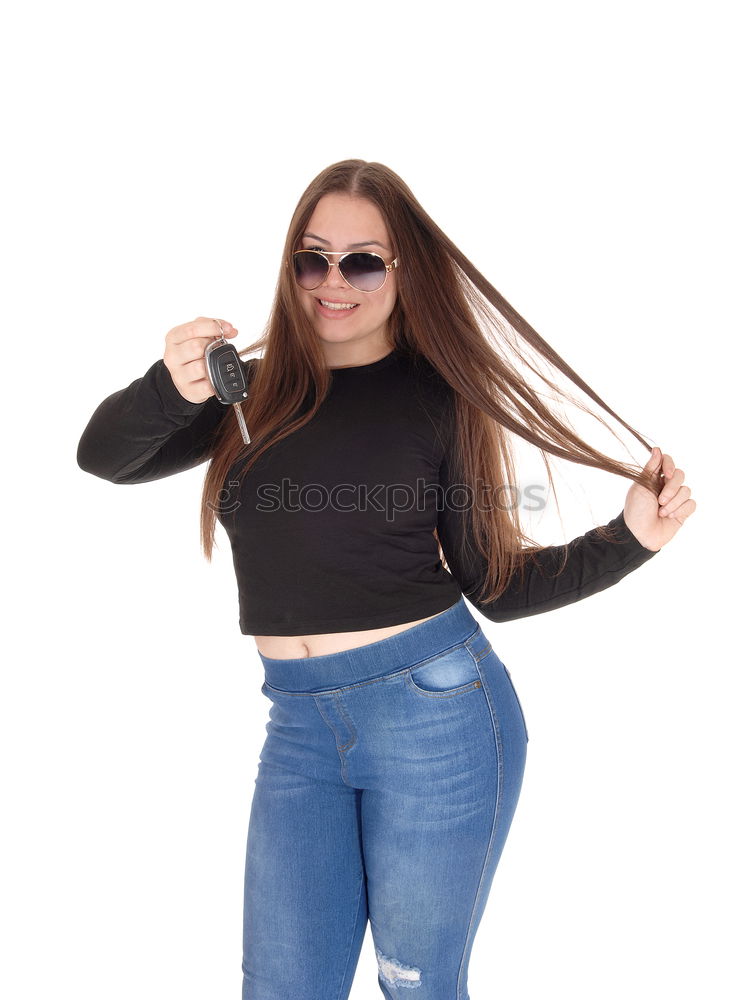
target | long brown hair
x=450, y=314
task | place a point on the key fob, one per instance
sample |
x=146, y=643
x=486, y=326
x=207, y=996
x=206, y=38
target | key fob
x=226, y=372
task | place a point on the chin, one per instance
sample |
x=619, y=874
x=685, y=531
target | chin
x=335, y=332
x=343, y=339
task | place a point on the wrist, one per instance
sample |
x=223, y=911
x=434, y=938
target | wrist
x=640, y=540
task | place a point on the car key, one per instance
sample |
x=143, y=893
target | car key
x=227, y=377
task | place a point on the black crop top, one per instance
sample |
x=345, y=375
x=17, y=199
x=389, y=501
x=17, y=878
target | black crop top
x=332, y=528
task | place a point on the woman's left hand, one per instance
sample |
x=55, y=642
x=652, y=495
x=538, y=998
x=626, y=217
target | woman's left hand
x=653, y=521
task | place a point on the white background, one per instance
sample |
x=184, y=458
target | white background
x=592, y=160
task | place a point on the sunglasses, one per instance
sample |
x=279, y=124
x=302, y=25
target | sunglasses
x=364, y=271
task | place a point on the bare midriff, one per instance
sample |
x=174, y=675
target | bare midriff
x=285, y=647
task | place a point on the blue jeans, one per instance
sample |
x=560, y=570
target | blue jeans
x=386, y=787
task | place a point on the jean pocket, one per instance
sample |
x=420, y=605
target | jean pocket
x=450, y=673
x=516, y=698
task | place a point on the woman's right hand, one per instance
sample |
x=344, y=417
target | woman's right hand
x=184, y=356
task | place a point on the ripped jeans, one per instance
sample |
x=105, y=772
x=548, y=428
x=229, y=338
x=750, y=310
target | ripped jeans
x=386, y=788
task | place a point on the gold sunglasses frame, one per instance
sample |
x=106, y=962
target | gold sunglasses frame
x=342, y=254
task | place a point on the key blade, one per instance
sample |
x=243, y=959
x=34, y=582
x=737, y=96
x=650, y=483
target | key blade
x=241, y=420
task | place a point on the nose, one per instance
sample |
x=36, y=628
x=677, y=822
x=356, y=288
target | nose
x=334, y=279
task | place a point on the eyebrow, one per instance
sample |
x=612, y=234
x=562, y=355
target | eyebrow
x=353, y=246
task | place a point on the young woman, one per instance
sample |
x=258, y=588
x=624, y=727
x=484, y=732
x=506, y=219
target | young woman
x=372, y=500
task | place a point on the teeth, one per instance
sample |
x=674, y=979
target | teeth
x=337, y=305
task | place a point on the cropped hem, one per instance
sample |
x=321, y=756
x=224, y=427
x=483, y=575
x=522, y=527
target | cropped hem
x=398, y=616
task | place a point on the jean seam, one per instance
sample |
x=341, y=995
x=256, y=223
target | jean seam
x=494, y=826
x=342, y=762
x=347, y=721
x=352, y=935
x=483, y=652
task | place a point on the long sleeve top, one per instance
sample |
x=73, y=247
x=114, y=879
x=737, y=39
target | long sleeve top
x=332, y=528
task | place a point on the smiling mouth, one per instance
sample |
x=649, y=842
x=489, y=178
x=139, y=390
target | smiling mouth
x=338, y=306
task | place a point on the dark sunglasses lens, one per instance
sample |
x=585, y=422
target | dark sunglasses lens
x=310, y=268
x=364, y=271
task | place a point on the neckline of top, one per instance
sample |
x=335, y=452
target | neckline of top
x=372, y=366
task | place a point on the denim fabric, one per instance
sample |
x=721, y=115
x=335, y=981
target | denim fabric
x=386, y=788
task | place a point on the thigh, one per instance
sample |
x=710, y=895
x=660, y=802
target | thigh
x=305, y=908
x=435, y=826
